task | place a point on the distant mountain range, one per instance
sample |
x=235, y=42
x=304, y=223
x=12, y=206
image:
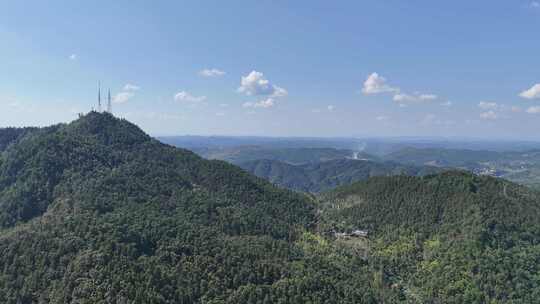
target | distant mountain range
x=297, y=156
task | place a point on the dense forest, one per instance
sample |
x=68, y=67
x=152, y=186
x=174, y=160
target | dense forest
x=322, y=176
x=447, y=238
x=96, y=211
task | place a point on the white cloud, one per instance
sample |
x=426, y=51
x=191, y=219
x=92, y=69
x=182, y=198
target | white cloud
x=532, y=93
x=73, y=57
x=489, y=115
x=211, y=73
x=331, y=108
x=447, y=103
x=376, y=84
x=417, y=97
x=123, y=97
x=382, y=118
x=516, y=109
x=128, y=92
x=535, y=4
x=255, y=84
x=223, y=105
x=184, y=96
x=486, y=105
x=534, y=110
x=220, y=114
x=131, y=87
x=266, y=103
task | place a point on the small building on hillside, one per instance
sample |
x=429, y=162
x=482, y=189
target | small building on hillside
x=355, y=233
x=360, y=233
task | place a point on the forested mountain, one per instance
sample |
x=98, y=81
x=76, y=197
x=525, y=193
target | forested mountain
x=443, y=157
x=322, y=176
x=448, y=238
x=96, y=211
x=522, y=167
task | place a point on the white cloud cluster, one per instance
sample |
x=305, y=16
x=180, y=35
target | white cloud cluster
x=377, y=84
x=255, y=84
x=211, y=73
x=331, y=108
x=266, y=103
x=73, y=57
x=184, y=96
x=123, y=97
x=532, y=93
x=535, y=4
x=489, y=115
x=127, y=93
x=487, y=105
x=417, y=97
x=131, y=87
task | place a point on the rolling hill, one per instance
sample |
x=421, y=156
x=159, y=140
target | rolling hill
x=448, y=238
x=323, y=176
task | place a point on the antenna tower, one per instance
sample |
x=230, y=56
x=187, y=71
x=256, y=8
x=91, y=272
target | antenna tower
x=109, y=104
x=99, y=96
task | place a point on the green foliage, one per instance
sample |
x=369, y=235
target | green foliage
x=447, y=238
x=96, y=211
x=322, y=176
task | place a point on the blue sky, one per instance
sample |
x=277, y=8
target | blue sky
x=278, y=68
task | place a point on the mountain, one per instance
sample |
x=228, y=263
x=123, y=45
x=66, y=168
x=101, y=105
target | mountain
x=323, y=176
x=442, y=157
x=96, y=211
x=522, y=167
x=448, y=238
x=296, y=156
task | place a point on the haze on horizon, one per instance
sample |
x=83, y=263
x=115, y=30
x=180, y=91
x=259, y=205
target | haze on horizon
x=278, y=68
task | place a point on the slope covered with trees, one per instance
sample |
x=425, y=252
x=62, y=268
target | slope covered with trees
x=322, y=176
x=447, y=238
x=11, y=135
x=96, y=211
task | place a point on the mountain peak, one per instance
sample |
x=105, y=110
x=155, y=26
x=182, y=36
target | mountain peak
x=107, y=129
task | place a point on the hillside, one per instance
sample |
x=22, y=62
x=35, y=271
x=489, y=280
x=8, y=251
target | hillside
x=442, y=157
x=323, y=176
x=11, y=135
x=447, y=238
x=97, y=211
x=518, y=166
